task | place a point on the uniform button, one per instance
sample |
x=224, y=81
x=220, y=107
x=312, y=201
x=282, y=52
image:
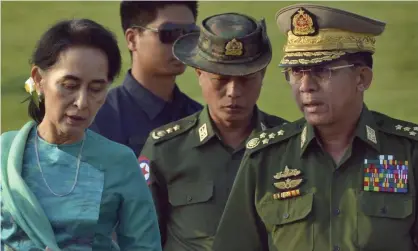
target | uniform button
x=189, y=198
x=337, y=211
x=337, y=248
x=286, y=215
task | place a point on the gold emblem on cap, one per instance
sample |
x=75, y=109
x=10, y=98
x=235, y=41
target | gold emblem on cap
x=233, y=48
x=302, y=23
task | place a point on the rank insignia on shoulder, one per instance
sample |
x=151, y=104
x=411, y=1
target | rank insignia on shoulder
x=264, y=138
x=412, y=131
x=288, y=187
x=385, y=174
x=253, y=143
x=157, y=134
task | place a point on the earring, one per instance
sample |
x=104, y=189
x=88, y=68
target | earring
x=41, y=97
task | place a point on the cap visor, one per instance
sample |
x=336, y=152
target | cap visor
x=310, y=58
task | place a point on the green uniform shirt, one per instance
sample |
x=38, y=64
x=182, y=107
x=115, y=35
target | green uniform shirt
x=290, y=195
x=192, y=172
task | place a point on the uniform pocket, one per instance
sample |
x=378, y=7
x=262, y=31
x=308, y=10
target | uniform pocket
x=290, y=222
x=384, y=220
x=193, y=212
x=190, y=193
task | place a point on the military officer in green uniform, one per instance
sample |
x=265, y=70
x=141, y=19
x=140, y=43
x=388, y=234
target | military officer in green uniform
x=192, y=163
x=343, y=177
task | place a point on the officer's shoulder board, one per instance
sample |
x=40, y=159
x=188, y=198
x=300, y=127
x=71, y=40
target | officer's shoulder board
x=173, y=129
x=274, y=135
x=396, y=127
x=272, y=120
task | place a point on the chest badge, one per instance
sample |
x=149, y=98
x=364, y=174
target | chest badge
x=288, y=182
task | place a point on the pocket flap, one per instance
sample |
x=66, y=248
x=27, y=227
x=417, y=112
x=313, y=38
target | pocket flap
x=378, y=204
x=289, y=210
x=190, y=193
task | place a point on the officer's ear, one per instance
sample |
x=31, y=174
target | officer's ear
x=364, y=78
x=199, y=74
x=131, y=37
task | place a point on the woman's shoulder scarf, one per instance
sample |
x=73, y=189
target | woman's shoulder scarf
x=17, y=198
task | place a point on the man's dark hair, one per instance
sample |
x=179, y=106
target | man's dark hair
x=68, y=34
x=362, y=58
x=144, y=12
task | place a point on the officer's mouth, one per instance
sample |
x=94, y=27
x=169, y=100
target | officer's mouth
x=313, y=106
x=233, y=108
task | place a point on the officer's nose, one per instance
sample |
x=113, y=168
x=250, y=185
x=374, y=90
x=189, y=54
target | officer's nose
x=308, y=83
x=234, y=88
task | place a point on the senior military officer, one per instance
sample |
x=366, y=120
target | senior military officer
x=341, y=178
x=193, y=162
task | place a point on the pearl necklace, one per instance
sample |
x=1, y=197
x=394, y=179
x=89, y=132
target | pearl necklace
x=76, y=175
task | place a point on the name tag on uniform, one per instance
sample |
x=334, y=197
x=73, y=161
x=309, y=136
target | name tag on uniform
x=385, y=175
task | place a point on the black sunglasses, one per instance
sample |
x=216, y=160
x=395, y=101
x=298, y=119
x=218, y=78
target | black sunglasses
x=170, y=32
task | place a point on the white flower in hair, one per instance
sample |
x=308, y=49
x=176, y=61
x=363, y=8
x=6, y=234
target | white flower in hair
x=30, y=85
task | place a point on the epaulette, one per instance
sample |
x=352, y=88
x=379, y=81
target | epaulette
x=272, y=120
x=173, y=129
x=395, y=126
x=274, y=135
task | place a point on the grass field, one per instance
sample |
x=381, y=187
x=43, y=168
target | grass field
x=394, y=90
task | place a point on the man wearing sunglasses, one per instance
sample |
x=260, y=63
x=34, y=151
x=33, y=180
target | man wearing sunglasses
x=341, y=178
x=148, y=97
x=193, y=162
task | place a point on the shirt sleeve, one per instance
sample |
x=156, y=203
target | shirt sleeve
x=240, y=227
x=138, y=225
x=157, y=186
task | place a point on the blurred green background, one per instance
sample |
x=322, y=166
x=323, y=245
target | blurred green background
x=394, y=90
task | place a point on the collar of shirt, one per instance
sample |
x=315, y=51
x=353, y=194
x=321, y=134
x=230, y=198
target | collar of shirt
x=207, y=130
x=151, y=104
x=366, y=131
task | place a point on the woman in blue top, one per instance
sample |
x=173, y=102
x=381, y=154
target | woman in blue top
x=65, y=187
